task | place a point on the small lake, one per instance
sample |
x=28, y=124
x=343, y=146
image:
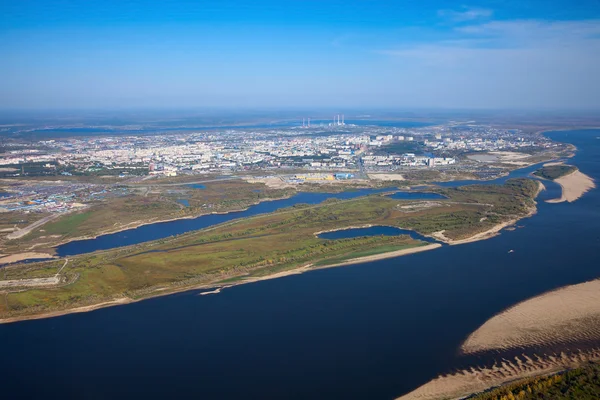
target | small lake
x=196, y=186
x=184, y=202
x=374, y=231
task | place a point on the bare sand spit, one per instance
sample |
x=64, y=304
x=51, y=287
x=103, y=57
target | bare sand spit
x=569, y=314
x=389, y=254
x=477, y=379
x=23, y=256
x=574, y=185
x=386, y=177
x=476, y=237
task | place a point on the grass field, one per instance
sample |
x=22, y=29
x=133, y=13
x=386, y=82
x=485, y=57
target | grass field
x=144, y=205
x=261, y=245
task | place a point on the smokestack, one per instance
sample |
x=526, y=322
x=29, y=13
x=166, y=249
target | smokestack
x=309, y=122
x=343, y=120
x=303, y=122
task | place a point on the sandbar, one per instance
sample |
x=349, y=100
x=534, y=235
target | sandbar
x=574, y=185
x=386, y=177
x=562, y=318
x=24, y=256
x=569, y=314
x=477, y=379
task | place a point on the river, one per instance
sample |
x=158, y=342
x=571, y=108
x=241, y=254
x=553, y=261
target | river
x=374, y=330
x=161, y=230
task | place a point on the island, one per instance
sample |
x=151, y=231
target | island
x=262, y=247
x=573, y=182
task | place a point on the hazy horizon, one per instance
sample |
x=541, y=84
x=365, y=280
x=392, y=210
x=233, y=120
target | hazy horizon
x=479, y=55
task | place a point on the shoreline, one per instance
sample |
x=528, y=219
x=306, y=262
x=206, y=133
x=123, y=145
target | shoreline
x=137, y=224
x=573, y=186
x=569, y=313
x=478, y=379
x=493, y=231
x=166, y=290
x=159, y=292
x=567, y=318
x=18, y=257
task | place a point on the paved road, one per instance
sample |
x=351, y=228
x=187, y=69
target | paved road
x=24, y=231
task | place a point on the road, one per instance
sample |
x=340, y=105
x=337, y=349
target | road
x=24, y=231
x=144, y=184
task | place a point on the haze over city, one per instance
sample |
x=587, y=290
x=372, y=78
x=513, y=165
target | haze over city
x=426, y=54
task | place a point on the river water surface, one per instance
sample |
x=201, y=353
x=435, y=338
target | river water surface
x=366, y=331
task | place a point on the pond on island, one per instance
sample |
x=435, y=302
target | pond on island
x=374, y=231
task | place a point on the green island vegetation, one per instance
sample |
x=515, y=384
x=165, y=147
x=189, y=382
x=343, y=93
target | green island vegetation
x=262, y=245
x=139, y=205
x=552, y=172
x=576, y=384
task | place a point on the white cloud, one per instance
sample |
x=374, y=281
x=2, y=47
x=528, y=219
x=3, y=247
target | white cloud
x=467, y=14
x=508, y=63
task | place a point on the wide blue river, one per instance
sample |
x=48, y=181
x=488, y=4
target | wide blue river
x=367, y=331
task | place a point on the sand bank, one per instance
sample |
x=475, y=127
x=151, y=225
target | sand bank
x=386, y=177
x=490, y=233
x=566, y=316
x=389, y=254
x=345, y=229
x=574, y=185
x=477, y=379
x=23, y=256
x=569, y=314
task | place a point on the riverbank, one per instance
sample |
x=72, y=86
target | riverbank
x=574, y=185
x=383, y=256
x=490, y=233
x=13, y=258
x=110, y=303
x=216, y=289
x=138, y=224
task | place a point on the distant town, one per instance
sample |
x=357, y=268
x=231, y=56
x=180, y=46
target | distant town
x=321, y=151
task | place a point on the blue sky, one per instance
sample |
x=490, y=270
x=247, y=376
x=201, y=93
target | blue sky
x=404, y=54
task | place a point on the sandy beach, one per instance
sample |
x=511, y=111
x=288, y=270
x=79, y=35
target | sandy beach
x=569, y=314
x=390, y=254
x=490, y=233
x=24, y=256
x=574, y=185
x=477, y=379
x=345, y=228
